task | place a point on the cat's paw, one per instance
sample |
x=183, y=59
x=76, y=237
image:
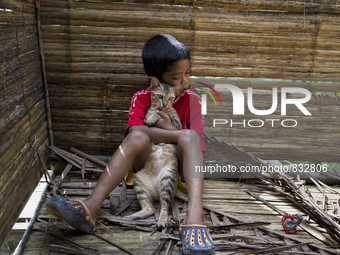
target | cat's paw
x=153, y=119
x=131, y=217
x=142, y=214
x=162, y=221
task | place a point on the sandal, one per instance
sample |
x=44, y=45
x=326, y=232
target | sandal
x=196, y=239
x=75, y=213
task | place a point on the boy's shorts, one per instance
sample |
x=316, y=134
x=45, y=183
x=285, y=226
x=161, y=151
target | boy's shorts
x=129, y=180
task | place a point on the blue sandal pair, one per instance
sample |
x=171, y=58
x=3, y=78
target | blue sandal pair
x=196, y=240
x=75, y=213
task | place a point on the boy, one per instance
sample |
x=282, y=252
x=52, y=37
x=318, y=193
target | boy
x=165, y=58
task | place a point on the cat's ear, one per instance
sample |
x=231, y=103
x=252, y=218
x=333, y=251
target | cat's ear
x=154, y=82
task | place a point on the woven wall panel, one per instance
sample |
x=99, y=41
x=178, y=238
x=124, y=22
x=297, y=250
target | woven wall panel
x=94, y=66
x=23, y=126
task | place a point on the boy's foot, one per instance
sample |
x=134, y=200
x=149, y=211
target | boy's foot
x=196, y=240
x=75, y=213
x=195, y=236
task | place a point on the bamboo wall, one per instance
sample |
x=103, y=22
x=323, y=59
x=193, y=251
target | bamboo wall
x=93, y=62
x=23, y=126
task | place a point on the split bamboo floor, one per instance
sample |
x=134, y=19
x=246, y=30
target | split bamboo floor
x=221, y=195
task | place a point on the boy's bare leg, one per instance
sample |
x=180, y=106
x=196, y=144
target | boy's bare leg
x=190, y=155
x=135, y=149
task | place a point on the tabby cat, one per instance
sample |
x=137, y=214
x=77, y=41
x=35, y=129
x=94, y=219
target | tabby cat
x=158, y=179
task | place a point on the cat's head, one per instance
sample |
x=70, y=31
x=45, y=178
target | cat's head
x=162, y=94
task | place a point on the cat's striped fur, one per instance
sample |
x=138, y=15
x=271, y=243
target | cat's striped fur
x=158, y=179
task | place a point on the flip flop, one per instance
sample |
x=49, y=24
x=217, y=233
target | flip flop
x=75, y=213
x=196, y=240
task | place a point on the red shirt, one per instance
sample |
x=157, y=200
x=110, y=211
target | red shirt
x=188, y=108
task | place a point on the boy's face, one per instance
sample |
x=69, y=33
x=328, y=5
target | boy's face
x=178, y=75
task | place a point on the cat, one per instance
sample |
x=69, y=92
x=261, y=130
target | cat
x=162, y=98
x=158, y=179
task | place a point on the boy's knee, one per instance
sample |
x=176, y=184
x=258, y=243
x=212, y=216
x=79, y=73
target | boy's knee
x=137, y=138
x=187, y=137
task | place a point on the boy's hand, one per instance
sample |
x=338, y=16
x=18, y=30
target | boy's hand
x=164, y=122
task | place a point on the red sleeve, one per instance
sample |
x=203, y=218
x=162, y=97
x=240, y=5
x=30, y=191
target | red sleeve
x=140, y=104
x=196, y=119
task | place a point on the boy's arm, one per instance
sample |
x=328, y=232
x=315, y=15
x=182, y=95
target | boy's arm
x=162, y=131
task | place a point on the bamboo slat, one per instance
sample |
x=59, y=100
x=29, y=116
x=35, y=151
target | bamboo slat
x=101, y=144
x=17, y=18
x=178, y=20
x=96, y=68
x=20, y=6
x=88, y=78
x=88, y=114
x=112, y=47
x=110, y=91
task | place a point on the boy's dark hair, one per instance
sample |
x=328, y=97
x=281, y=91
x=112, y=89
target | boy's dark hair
x=161, y=52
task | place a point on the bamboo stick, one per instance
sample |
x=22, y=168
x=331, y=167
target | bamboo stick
x=64, y=173
x=44, y=78
x=82, y=154
x=118, y=246
x=76, y=251
x=75, y=160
